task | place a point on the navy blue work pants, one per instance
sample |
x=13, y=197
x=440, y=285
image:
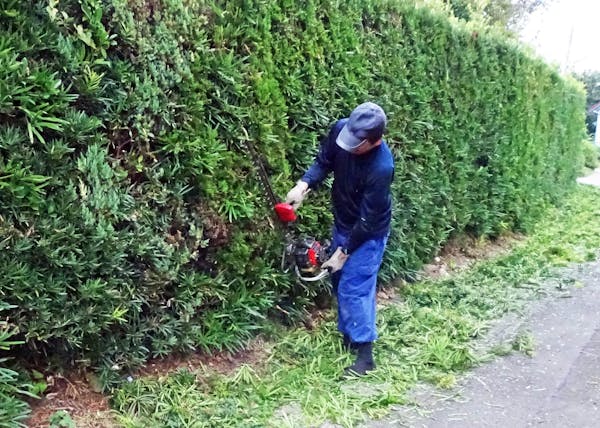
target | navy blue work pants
x=355, y=287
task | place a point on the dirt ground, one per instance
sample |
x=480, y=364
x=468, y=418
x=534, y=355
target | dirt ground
x=74, y=395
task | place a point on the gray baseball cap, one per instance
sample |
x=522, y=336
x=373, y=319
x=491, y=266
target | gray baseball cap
x=367, y=121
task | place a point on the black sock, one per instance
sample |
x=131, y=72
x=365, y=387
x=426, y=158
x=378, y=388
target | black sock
x=346, y=341
x=349, y=345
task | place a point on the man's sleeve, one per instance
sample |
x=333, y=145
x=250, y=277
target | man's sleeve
x=323, y=163
x=374, y=210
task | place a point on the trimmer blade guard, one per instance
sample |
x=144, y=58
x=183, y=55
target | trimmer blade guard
x=285, y=212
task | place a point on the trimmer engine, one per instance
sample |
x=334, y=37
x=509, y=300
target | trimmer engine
x=307, y=255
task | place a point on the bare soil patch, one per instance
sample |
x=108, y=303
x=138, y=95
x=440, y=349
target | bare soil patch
x=461, y=252
x=73, y=394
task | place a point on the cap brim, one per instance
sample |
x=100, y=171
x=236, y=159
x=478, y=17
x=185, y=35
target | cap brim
x=346, y=140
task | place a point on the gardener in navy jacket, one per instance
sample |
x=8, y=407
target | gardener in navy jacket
x=363, y=169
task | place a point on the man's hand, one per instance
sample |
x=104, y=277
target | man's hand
x=336, y=261
x=297, y=194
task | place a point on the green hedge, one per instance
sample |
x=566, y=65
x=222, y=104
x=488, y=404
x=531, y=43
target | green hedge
x=13, y=409
x=131, y=221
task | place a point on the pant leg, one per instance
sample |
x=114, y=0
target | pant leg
x=338, y=239
x=357, y=289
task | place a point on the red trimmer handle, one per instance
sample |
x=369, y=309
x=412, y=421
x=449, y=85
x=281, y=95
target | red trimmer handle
x=285, y=212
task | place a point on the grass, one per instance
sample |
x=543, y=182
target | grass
x=427, y=335
x=524, y=342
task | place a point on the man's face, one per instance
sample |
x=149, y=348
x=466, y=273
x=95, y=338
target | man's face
x=364, y=147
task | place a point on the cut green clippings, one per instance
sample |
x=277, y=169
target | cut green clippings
x=525, y=343
x=426, y=335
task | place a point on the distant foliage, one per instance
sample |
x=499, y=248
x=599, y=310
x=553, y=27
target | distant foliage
x=591, y=81
x=591, y=153
x=132, y=224
x=510, y=15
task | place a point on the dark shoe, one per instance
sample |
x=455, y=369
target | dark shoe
x=364, y=361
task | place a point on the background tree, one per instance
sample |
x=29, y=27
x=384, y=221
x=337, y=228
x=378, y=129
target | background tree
x=591, y=80
x=507, y=14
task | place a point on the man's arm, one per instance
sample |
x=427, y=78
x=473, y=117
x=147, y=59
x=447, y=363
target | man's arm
x=323, y=163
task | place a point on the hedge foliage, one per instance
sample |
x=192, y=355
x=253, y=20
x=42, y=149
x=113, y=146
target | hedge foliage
x=131, y=221
x=13, y=409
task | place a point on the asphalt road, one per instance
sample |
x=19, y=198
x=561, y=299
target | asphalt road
x=558, y=386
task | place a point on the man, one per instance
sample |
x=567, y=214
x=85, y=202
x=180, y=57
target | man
x=363, y=169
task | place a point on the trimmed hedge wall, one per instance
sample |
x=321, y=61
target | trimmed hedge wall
x=131, y=220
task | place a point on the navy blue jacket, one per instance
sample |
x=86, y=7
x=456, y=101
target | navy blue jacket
x=362, y=202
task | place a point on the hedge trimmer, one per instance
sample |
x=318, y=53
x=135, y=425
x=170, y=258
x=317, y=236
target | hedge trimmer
x=304, y=255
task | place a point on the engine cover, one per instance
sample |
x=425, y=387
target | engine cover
x=309, y=254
